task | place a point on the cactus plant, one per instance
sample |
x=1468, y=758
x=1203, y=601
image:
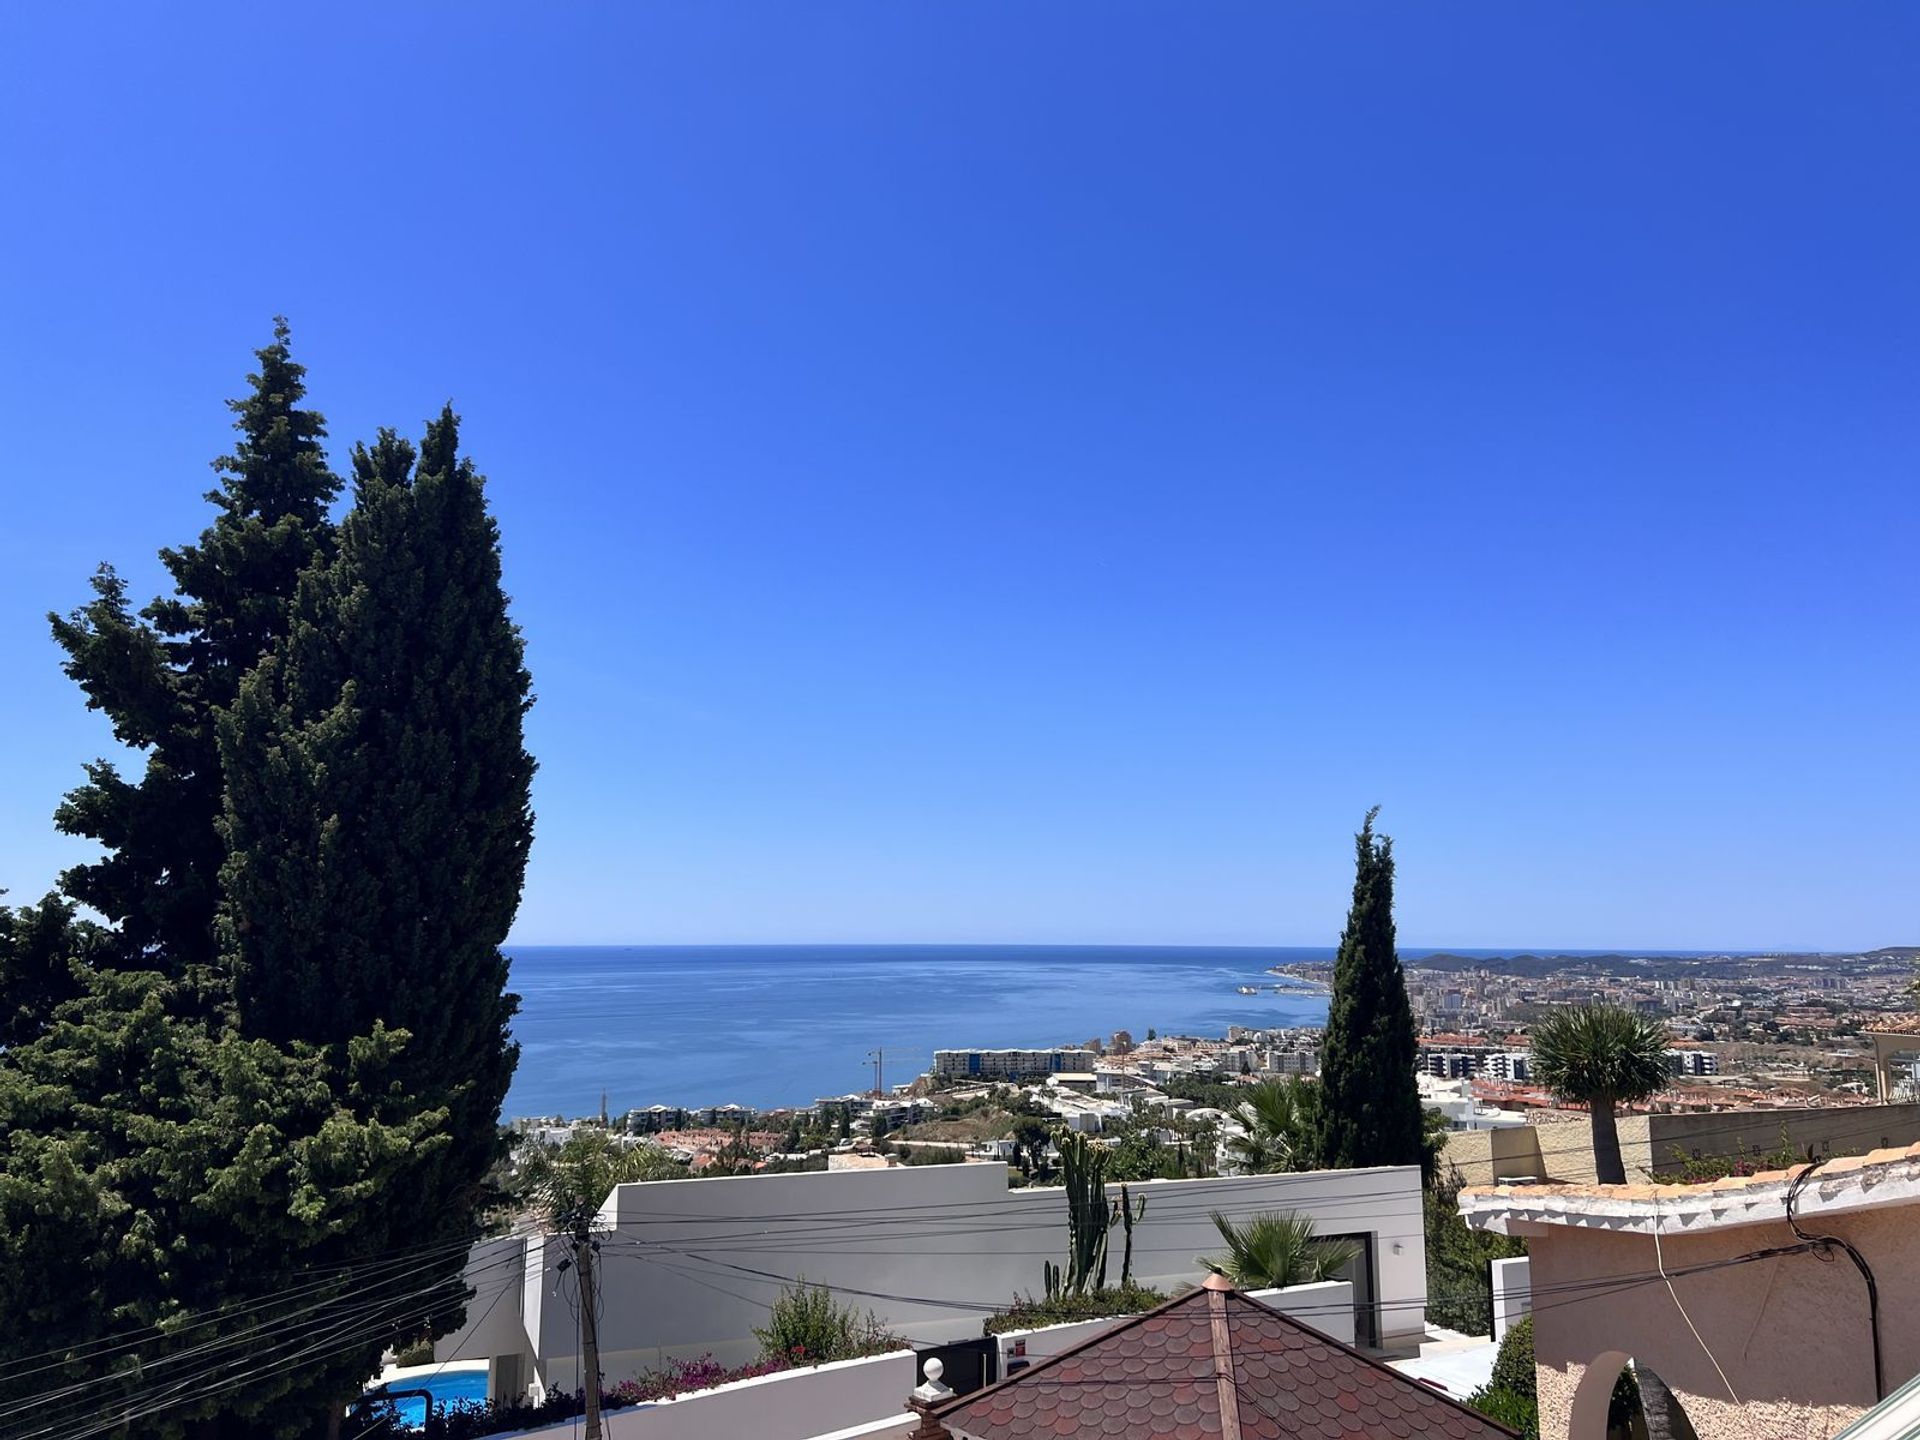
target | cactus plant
x=1084, y=1168
x=1125, y=1211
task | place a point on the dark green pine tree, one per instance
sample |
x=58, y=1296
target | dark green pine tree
x=164, y=675
x=45, y=953
x=181, y=1142
x=1370, y=1100
x=378, y=812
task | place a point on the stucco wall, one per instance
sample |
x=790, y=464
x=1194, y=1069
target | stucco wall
x=1791, y=1332
x=1486, y=1157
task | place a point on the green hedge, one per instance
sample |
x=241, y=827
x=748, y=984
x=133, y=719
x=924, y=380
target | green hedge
x=1027, y=1313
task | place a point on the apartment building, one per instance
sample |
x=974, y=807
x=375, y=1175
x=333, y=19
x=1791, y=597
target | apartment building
x=1008, y=1064
x=1693, y=1062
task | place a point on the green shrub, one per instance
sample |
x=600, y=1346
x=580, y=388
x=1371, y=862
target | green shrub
x=1513, y=1366
x=420, y=1352
x=1458, y=1296
x=1694, y=1169
x=1028, y=1313
x=809, y=1327
x=930, y=1154
x=1509, y=1408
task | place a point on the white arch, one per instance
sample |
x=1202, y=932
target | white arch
x=1587, y=1417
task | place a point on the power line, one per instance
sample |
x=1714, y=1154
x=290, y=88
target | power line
x=179, y=1325
x=369, y=1319
x=245, y=1336
x=1578, y=1293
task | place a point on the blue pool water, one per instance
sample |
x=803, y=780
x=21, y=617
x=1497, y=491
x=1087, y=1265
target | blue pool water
x=447, y=1387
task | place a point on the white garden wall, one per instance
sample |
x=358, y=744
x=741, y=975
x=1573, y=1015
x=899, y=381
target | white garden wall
x=867, y=1398
x=691, y=1267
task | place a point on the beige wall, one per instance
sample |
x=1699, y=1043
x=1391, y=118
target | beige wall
x=1486, y=1157
x=1791, y=1333
x=1563, y=1149
x=1850, y=1130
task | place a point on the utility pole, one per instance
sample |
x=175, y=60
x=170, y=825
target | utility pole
x=585, y=1250
x=877, y=1056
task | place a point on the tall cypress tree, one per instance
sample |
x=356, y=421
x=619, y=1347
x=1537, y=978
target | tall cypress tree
x=378, y=807
x=1370, y=1110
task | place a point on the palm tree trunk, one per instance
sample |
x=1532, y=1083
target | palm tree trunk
x=1608, y=1168
x=1665, y=1419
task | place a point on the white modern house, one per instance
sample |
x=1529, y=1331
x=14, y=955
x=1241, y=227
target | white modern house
x=689, y=1267
x=1454, y=1100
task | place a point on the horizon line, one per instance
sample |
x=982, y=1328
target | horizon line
x=1541, y=950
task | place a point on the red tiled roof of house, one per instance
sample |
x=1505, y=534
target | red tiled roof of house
x=1892, y=1025
x=1211, y=1365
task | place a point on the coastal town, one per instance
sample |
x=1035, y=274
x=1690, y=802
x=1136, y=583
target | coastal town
x=1747, y=1033
x=1757, y=1073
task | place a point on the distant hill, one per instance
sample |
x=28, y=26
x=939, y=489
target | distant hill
x=1531, y=966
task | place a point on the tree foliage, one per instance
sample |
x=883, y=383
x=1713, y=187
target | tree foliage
x=1280, y=1123
x=1513, y=1366
x=1519, y=1413
x=378, y=814
x=575, y=1178
x=1371, y=1111
x=1601, y=1056
x=1275, y=1249
x=808, y=1326
x=1459, y=1292
x=45, y=954
x=283, y=1051
x=164, y=675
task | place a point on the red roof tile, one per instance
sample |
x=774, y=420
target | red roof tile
x=1212, y=1365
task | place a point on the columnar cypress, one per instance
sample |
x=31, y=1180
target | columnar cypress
x=378, y=807
x=1371, y=1110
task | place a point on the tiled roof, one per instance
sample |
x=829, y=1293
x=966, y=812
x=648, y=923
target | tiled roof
x=1211, y=1365
x=1893, y=1025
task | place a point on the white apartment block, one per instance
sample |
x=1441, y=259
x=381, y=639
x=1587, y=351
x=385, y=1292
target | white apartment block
x=1008, y=1064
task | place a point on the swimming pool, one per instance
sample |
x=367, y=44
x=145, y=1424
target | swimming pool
x=447, y=1387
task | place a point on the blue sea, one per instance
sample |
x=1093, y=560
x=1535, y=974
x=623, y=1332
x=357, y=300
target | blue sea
x=771, y=1025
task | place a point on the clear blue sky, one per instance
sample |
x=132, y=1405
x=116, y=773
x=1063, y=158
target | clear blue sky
x=1039, y=472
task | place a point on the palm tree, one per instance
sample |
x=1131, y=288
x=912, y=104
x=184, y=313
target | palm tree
x=1281, y=1122
x=566, y=1188
x=1600, y=1056
x=1275, y=1249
